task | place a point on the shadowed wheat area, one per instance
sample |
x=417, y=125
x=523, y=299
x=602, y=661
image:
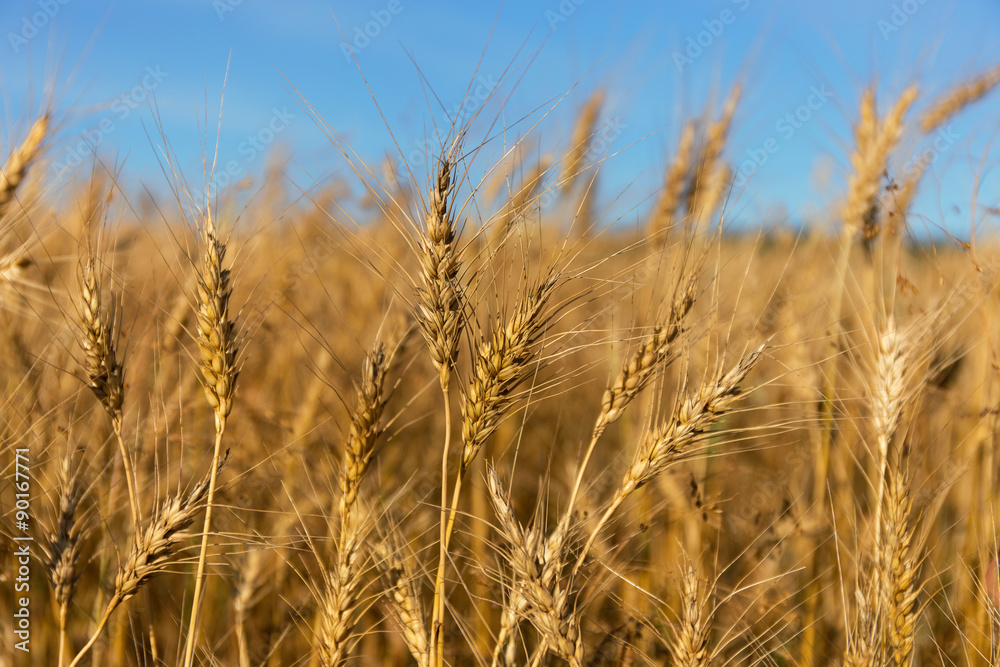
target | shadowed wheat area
x=453, y=414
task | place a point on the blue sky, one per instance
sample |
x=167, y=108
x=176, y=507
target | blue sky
x=660, y=63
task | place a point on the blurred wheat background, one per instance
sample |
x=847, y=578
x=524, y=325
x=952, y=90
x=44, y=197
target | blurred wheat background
x=460, y=405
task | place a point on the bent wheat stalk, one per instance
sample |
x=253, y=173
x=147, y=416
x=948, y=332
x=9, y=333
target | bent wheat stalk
x=152, y=551
x=105, y=374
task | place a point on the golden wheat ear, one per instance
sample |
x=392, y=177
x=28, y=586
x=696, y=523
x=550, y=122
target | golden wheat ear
x=958, y=98
x=217, y=338
x=16, y=168
x=439, y=295
x=342, y=582
x=402, y=590
x=690, y=646
x=665, y=213
x=875, y=142
x=62, y=545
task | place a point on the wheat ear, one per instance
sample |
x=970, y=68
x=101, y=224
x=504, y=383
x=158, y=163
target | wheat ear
x=439, y=296
x=341, y=585
x=898, y=570
x=62, y=547
x=711, y=174
x=665, y=213
x=887, y=398
x=689, y=647
x=404, y=599
x=105, y=373
x=246, y=595
x=583, y=132
x=534, y=591
x=18, y=162
x=875, y=143
x=218, y=348
x=672, y=440
x=502, y=363
x=440, y=318
x=956, y=99
x=520, y=201
x=636, y=373
x=941, y=111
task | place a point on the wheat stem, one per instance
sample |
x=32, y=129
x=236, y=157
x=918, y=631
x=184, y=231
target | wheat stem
x=199, y=581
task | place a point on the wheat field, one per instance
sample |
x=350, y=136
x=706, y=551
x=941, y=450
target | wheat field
x=455, y=415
